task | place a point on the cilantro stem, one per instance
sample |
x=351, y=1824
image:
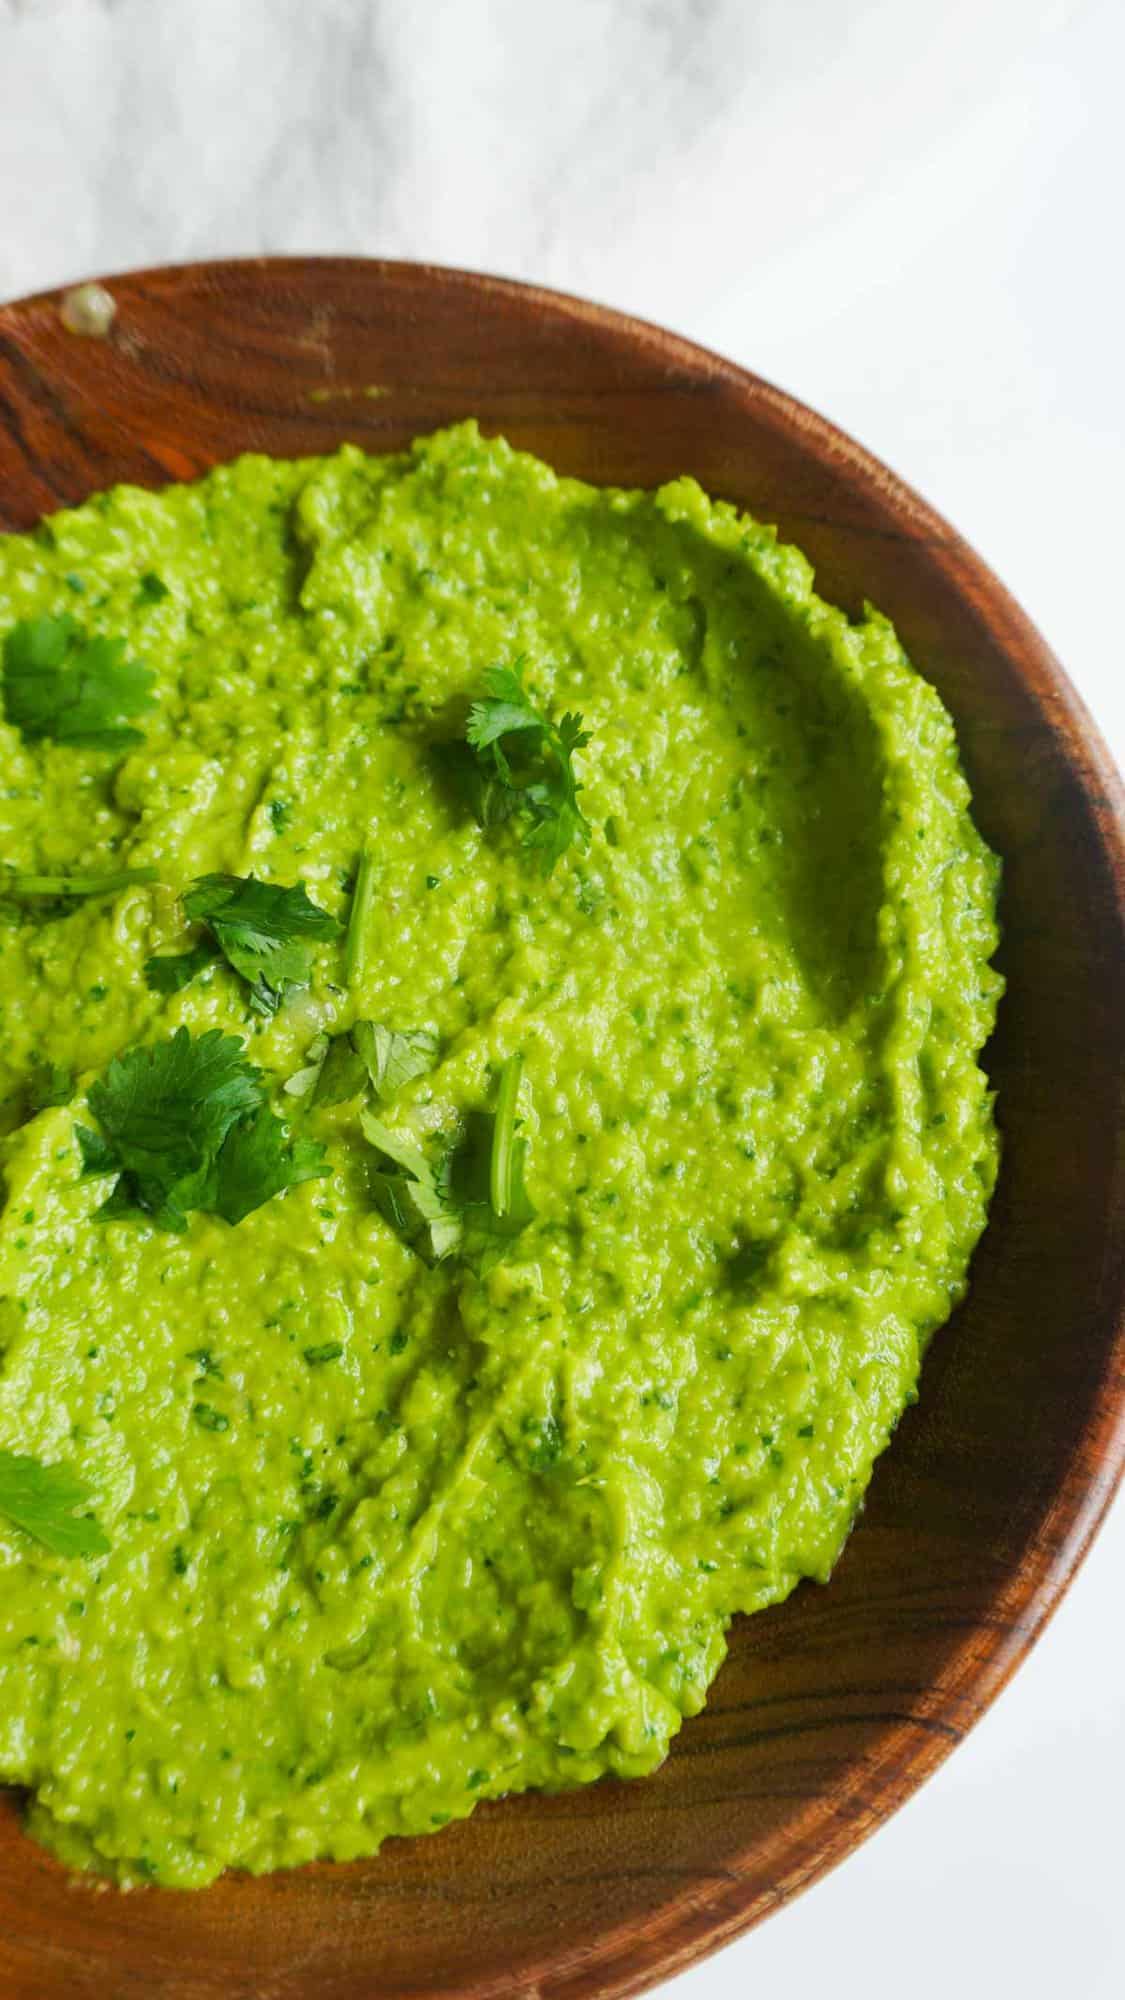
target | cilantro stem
x=75, y=885
x=502, y=1163
x=355, y=946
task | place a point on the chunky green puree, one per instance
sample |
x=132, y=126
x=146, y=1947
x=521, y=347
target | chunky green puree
x=515, y=1266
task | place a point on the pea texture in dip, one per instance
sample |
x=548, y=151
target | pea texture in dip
x=492, y=980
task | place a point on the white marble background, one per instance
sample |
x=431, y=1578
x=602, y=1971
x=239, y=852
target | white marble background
x=908, y=212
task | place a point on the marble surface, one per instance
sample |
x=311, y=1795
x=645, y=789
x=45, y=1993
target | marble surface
x=908, y=214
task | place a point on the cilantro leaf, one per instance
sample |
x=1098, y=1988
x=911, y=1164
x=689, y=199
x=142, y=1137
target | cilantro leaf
x=477, y=787
x=99, y=1155
x=59, y=682
x=169, y=972
x=183, y=1124
x=332, y=1072
x=393, y=1058
x=412, y=1193
x=259, y=1160
x=303, y=1081
x=164, y=1111
x=338, y=1067
x=525, y=765
x=259, y=928
x=70, y=888
x=43, y=1499
x=473, y=1199
x=343, y=1072
x=48, y=1084
x=505, y=708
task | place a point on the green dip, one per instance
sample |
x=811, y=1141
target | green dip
x=389, y=1536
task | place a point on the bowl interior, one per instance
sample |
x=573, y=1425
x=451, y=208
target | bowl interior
x=832, y=1708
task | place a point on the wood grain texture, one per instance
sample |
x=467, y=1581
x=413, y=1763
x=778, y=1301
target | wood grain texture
x=833, y=1708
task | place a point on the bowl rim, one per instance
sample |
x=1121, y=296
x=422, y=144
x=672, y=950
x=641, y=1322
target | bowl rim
x=688, y=1926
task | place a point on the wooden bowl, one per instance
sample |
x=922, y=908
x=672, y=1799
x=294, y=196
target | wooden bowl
x=832, y=1708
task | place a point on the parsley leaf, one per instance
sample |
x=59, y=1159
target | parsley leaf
x=61, y=683
x=70, y=888
x=184, y=1126
x=525, y=765
x=258, y=927
x=42, y=1500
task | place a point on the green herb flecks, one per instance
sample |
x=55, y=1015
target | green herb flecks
x=61, y=683
x=262, y=929
x=184, y=1126
x=525, y=765
x=329, y=1350
x=210, y=1419
x=43, y=1500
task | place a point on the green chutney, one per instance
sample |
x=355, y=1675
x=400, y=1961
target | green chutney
x=389, y=1536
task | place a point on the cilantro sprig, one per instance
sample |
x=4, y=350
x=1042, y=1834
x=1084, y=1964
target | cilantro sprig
x=61, y=683
x=522, y=765
x=184, y=1125
x=260, y=928
x=43, y=1500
